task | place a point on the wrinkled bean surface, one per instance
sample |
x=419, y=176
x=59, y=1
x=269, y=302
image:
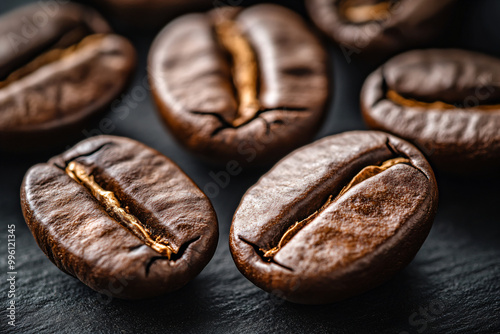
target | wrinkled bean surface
x=120, y=217
x=335, y=218
x=447, y=102
x=240, y=84
x=57, y=73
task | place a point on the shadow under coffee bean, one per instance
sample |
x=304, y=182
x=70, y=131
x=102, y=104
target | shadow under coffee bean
x=446, y=102
x=335, y=218
x=120, y=217
x=248, y=85
x=57, y=73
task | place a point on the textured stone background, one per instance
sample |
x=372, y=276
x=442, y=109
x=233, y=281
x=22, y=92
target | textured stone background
x=452, y=286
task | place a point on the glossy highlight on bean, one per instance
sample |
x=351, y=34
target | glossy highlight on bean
x=335, y=218
x=244, y=68
x=365, y=173
x=453, y=115
x=377, y=29
x=51, y=56
x=240, y=84
x=55, y=82
x=113, y=207
x=244, y=71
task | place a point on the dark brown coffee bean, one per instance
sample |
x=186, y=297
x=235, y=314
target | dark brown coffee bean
x=57, y=69
x=335, y=218
x=447, y=102
x=247, y=85
x=120, y=217
x=379, y=28
x=146, y=14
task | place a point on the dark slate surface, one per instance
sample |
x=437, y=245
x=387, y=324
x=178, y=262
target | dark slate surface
x=452, y=286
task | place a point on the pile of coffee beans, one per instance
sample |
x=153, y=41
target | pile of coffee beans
x=244, y=86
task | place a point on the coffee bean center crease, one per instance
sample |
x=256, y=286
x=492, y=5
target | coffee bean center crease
x=362, y=13
x=113, y=207
x=48, y=57
x=363, y=175
x=244, y=69
x=436, y=105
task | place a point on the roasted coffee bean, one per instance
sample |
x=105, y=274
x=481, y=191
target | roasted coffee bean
x=147, y=14
x=335, y=218
x=120, y=217
x=447, y=102
x=246, y=85
x=379, y=28
x=57, y=69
